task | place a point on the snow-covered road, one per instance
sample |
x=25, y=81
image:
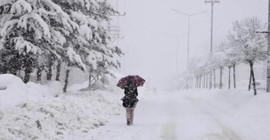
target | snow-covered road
x=172, y=116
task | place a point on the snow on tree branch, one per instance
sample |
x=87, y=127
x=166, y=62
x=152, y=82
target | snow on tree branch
x=24, y=46
x=20, y=7
x=75, y=58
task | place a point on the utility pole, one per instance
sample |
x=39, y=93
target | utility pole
x=268, y=61
x=189, y=16
x=268, y=51
x=212, y=19
x=211, y=35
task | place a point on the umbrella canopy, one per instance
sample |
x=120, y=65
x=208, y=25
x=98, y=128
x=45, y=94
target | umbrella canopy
x=135, y=80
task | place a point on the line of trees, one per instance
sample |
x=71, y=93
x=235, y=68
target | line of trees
x=46, y=34
x=243, y=45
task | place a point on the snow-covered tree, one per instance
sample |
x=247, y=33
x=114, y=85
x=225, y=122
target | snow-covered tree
x=195, y=70
x=93, y=40
x=56, y=31
x=211, y=66
x=250, y=45
x=243, y=44
x=33, y=28
x=228, y=57
x=232, y=58
x=219, y=60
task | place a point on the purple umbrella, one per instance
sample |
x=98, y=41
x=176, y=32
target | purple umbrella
x=131, y=79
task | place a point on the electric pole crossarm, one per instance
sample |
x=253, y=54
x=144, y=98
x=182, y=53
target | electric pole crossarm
x=211, y=1
x=263, y=32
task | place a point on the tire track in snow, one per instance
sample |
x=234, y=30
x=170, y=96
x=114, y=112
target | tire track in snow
x=226, y=133
x=168, y=131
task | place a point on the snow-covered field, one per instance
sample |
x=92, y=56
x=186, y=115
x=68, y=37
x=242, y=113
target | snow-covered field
x=35, y=111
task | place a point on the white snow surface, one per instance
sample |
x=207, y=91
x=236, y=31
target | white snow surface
x=32, y=111
x=193, y=115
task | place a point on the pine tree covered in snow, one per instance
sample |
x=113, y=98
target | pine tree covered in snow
x=42, y=33
x=31, y=31
x=92, y=37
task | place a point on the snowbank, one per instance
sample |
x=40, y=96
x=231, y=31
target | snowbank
x=66, y=117
x=35, y=111
x=14, y=91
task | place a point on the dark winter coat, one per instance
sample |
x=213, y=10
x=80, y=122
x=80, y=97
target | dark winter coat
x=130, y=99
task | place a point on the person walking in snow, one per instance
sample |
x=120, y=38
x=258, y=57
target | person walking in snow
x=129, y=101
x=130, y=84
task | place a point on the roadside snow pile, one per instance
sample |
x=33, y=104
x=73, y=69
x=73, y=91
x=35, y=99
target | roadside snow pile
x=239, y=109
x=14, y=91
x=9, y=80
x=39, y=114
x=57, y=118
x=52, y=89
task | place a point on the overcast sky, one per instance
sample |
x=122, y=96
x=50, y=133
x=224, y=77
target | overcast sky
x=150, y=28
